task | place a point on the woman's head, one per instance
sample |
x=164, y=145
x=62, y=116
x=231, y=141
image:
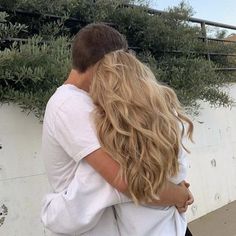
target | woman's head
x=138, y=122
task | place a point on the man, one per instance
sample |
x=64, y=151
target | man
x=81, y=202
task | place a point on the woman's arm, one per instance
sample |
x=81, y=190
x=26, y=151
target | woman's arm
x=171, y=194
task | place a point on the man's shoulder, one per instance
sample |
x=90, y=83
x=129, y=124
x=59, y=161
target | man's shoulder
x=69, y=98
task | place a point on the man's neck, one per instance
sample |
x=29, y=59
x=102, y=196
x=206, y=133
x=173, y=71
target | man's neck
x=80, y=80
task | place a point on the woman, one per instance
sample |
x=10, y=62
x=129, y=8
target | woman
x=140, y=123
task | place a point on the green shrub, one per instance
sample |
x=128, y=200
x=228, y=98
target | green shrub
x=31, y=70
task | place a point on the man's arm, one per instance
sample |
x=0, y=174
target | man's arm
x=79, y=208
x=171, y=194
x=75, y=133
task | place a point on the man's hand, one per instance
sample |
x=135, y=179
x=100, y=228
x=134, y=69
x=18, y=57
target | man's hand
x=171, y=195
x=183, y=208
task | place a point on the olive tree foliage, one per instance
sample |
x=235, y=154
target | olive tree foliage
x=31, y=70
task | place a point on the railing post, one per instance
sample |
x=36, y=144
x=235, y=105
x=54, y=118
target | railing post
x=204, y=35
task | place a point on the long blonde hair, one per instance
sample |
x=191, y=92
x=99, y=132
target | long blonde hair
x=138, y=123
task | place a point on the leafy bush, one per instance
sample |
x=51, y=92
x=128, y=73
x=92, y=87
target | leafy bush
x=31, y=70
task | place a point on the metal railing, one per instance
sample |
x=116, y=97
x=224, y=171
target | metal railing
x=203, y=23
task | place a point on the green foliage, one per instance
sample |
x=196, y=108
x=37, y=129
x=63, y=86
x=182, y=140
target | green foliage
x=51, y=6
x=194, y=79
x=187, y=70
x=7, y=29
x=220, y=34
x=31, y=70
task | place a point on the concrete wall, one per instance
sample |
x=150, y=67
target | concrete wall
x=212, y=167
x=212, y=163
x=22, y=176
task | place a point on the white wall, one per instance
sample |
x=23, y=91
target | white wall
x=212, y=167
x=22, y=178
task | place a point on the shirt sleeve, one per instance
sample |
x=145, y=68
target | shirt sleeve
x=79, y=208
x=74, y=129
x=183, y=165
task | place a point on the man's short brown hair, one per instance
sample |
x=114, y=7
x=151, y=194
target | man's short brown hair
x=92, y=42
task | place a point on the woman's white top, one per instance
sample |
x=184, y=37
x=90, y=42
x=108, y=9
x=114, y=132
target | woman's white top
x=153, y=221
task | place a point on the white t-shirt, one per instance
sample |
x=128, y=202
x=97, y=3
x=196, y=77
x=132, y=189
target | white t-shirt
x=82, y=200
x=68, y=136
x=153, y=221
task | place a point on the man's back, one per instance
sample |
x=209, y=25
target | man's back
x=60, y=157
x=68, y=136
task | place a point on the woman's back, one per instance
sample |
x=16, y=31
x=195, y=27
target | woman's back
x=152, y=221
x=140, y=123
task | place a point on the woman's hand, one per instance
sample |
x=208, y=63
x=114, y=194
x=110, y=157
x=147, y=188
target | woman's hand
x=183, y=208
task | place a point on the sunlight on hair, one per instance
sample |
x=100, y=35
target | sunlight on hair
x=139, y=123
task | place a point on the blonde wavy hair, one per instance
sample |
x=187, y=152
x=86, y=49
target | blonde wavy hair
x=138, y=123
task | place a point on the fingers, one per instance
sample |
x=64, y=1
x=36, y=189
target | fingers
x=182, y=209
x=182, y=183
x=186, y=184
x=191, y=199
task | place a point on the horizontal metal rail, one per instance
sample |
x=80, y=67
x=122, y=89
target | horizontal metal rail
x=210, y=39
x=37, y=14
x=225, y=69
x=221, y=54
x=135, y=48
x=191, y=19
x=3, y=40
x=150, y=10
x=200, y=53
x=218, y=40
